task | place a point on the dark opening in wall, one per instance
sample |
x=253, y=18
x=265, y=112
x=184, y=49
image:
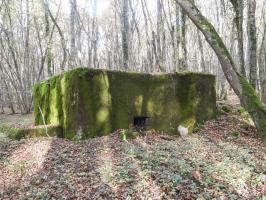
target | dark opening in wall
x=141, y=122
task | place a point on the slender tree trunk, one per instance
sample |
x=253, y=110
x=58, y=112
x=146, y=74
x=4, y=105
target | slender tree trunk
x=89, y=43
x=246, y=93
x=73, y=50
x=239, y=7
x=262, y=64
x=148, y=43
x=95, y=36
x=178, y=35
x=49, y=55
x=158, y=37
x=252, y=42
x=184, y=65
x=62, y=39
x=202, y=60
x=135, y=26
x=125, y=33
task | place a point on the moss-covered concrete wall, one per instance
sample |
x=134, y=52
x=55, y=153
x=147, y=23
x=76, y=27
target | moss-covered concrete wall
x=89, y=103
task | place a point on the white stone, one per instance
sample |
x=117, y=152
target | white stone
x=183, y=131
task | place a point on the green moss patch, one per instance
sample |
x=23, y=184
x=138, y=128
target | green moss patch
x=89, y=103
x=18, y=133
x=128, y=134
x=226, y=108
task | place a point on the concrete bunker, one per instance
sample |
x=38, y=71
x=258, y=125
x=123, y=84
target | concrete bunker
x=96, y=102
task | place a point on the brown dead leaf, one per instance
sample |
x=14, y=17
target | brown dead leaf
x=197, y=175
x=216, y=176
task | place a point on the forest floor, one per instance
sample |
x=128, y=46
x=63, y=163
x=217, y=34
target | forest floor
x=223, y=159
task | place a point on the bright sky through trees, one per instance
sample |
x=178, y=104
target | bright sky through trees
x=102, y=6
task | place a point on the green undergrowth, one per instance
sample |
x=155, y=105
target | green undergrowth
x=128, y=134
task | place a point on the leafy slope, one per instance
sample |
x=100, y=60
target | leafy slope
x=215, y=162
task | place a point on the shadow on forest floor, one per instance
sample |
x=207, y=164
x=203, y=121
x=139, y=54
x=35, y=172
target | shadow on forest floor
x=223, y=159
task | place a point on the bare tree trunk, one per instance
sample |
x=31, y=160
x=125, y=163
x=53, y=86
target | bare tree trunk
x=95, y=36
x=246, y=93
x=262, y=65
x=135, y=26
x=158, y=44
x=10, y=99
x=125, y=33
x=73, y=50
x=148, y=43
x=184, y=65
x=49, y=55
x=252, y=43
x=202, y=60
x=89, y=43
x=178, y=34
x=171, y=29
x=62, y=39
x=238, y=8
